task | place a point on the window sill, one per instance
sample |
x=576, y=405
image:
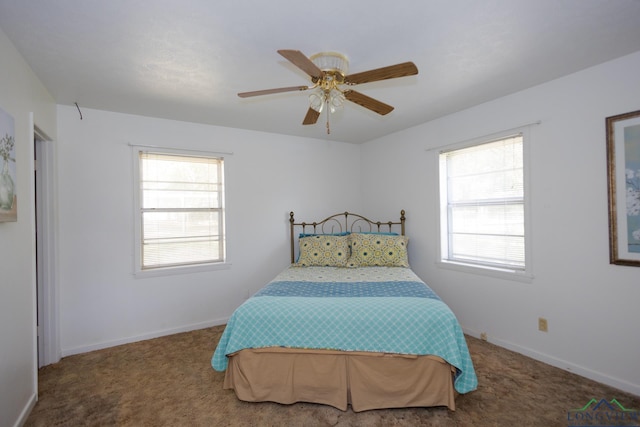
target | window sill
x=520, y=276
x=169, y=271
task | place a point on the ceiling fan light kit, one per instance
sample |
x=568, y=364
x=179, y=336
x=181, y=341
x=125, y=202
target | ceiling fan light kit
x=334, y=67
x=328, y=72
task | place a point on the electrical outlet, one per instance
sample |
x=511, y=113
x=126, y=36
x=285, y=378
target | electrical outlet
x=542, y=324
x=483, y=336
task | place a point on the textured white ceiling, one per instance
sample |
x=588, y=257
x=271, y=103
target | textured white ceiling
x=186, y=60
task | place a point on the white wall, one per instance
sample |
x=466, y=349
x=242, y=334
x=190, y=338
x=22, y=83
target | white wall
x=20, y=95
x=591, y=306
x=268, y=175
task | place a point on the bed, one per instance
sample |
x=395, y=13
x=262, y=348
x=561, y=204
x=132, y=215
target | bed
x=348, y=323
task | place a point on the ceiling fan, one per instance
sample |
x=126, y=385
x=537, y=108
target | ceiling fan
x=328, y=72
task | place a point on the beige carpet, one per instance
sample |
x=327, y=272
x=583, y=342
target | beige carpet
x=169, y=381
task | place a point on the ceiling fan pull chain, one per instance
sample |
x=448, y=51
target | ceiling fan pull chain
x=327, y=113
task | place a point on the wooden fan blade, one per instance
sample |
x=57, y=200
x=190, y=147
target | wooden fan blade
x=301, y=61
x=384, y=73
x=311, y=118
x=368, y=102
x=270, y=91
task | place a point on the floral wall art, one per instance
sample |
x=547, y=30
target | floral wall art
x=8, y=196
x=632, y=186
x=623, y=150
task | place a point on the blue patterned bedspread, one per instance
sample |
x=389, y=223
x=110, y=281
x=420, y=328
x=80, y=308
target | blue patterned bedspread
x=378, y=309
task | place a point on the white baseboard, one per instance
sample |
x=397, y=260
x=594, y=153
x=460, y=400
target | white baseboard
x=22, y=419
x=542, y=357
x=563, y=364
x=157, y=334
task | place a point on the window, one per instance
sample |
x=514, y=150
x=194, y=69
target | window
x=483, y=205
x=180, y=210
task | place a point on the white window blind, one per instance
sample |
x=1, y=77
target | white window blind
x=483, y=204
x=181, y=210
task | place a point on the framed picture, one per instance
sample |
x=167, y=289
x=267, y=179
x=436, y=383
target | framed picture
x=623, y=168
x=8, y=196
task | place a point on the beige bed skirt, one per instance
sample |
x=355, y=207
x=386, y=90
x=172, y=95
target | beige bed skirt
x=361, y=379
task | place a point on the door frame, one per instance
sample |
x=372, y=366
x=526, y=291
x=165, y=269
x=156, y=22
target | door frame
x=48, y=338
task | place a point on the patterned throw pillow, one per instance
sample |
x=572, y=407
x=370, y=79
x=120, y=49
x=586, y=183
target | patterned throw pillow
x=369, y=250
x=324, y=251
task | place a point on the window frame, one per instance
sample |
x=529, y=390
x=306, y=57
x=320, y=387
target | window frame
x=141, y=272
x=505, y=272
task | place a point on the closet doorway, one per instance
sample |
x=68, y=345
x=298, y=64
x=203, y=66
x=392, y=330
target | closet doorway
x=46, y=296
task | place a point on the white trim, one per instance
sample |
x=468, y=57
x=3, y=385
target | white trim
x=31, y=202
x=26, y=411
x=183, y=150
x=461, y=144
x=560, y=363
x=525, y=275
x=518, y=275
x=143, y=337
x=168, y=271
x=138, y=272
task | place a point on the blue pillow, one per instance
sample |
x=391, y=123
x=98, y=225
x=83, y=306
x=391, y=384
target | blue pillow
x=344, y=233
x=381, y=233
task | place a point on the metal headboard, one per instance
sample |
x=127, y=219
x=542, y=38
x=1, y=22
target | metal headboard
x=340, y=223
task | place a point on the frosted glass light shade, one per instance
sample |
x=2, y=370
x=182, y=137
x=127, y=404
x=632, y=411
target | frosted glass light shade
x=331, y=61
